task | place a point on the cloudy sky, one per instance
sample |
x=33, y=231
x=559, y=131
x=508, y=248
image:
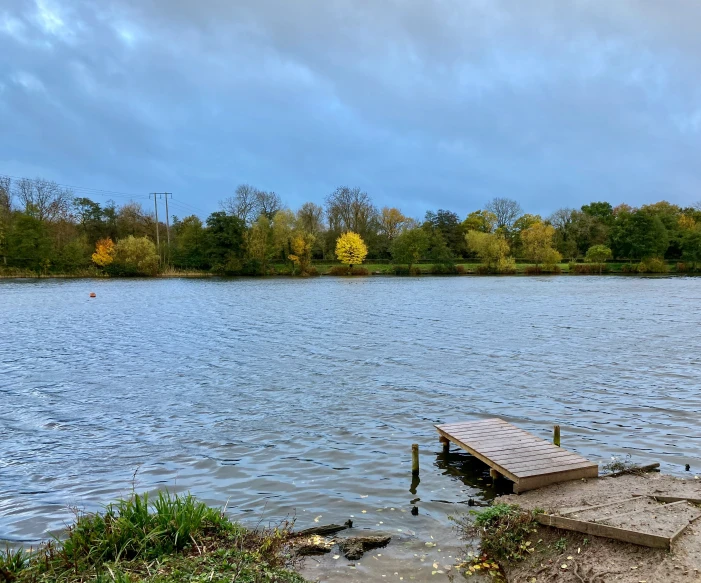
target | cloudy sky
x=423, y=103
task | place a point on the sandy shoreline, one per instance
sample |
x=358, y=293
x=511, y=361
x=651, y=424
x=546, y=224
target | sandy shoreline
x=589, y=559
x=599, y=559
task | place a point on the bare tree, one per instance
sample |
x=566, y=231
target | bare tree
x=561, y=219
x=506, y=211
x=243, y=204
x=44, y=199
x=310, y=218
x=350, y=209
x=5, y=210
x=5, y=194
x=267, y=203
x=391, y=221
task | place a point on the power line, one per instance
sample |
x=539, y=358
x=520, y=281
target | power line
x=85, y=189
x=113, y=193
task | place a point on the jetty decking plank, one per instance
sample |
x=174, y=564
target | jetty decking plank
x=529, y=461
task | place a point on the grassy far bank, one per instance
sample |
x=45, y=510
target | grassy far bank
x=167, y=539
x=326, y=268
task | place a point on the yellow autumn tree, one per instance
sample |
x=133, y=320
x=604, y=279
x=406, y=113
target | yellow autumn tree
x=104, y=252
x=350, y=249
x=302, y=244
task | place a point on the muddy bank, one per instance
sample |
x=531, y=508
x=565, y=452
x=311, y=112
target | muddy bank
x=418, y=557
x=565, y=556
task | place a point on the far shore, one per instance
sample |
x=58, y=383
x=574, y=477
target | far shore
x=374, y=269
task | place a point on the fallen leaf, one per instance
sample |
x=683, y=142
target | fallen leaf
x=564, y=566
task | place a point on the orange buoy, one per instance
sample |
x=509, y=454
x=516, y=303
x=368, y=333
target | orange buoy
x=93, y=295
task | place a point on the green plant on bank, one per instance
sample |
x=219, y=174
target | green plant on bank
x=503, y=529
x=167, y=539
x=598, y=255
x=652, y=265
x=618, y=464
x=13, y=561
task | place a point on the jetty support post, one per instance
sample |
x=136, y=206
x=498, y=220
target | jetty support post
x=414, y=459
x=556, y=435
x=446, y=445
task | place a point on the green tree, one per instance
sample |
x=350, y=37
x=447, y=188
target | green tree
x=225, y=243
x=90, y=219
x=691, y=243
x=482, y=221
x=189, y=247
x=638, y=234
x=29, y=243
x=598, y=254
x=284, y=223
x=600, y=210
x=521, y=224
x=410, y=246
x=491, y=248
x=537, y=242
x=447, y=224
x=260, y=245
x=134, y=256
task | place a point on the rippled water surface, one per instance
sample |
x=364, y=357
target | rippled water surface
x=302, y=398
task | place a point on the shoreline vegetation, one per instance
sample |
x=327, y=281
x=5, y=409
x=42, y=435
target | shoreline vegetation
x=46, y=230
x=166, y=539
x=377, y=269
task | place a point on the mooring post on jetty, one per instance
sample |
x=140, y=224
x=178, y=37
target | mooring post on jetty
x=556, y=435
x=414, y=459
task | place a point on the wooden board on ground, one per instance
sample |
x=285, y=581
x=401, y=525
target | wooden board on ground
x=528, y=461
x=640, y=520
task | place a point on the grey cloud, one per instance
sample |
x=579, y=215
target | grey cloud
x=425, y=104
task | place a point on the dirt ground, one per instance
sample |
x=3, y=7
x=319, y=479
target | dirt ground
x=564, y=556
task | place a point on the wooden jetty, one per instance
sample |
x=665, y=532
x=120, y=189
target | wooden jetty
x=528, y=461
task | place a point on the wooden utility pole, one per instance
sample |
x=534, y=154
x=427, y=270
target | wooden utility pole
x=155, y=205
x=157, y=195
x=166, y=194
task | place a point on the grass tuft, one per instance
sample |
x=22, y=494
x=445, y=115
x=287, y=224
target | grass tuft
x=162, y=540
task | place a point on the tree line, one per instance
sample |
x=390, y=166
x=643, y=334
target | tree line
x=45, y=228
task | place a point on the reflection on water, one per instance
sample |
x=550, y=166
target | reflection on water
x=302, y=398
x=461, y=466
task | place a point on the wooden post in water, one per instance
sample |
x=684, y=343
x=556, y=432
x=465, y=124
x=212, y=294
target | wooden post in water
x=415, y=459
x=556, y=435
x=446, y=445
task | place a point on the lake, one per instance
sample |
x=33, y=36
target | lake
x=301, y=398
